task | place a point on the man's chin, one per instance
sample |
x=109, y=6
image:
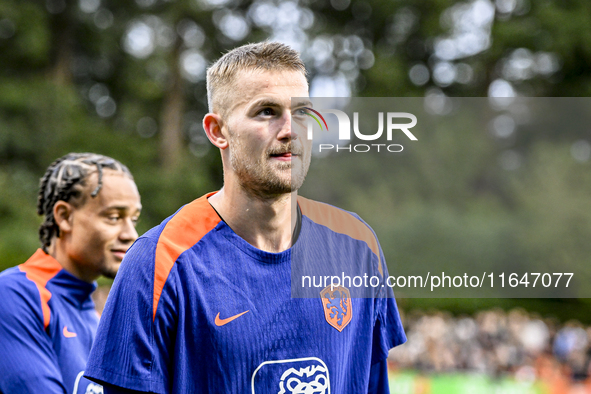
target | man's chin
x=111, y=271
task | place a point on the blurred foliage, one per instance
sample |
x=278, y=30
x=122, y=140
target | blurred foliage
x=126, y=79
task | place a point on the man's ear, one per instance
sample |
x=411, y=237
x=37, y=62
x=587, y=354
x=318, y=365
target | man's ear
x=62, y=213
x=212, y=124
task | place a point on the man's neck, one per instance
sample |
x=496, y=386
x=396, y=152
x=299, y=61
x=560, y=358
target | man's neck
x=265, y=223
x=57, y=250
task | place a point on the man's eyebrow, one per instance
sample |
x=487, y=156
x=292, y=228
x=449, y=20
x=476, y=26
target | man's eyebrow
x=121, y=208
x=266, y=103
x=306, y=103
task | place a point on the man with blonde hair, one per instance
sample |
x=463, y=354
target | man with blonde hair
x=203, y=303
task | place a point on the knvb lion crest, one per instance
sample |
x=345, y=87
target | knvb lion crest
x=308, y=375
x=309, y=380
x=337, y=306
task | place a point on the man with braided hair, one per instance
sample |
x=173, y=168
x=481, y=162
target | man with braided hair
x=48, y=322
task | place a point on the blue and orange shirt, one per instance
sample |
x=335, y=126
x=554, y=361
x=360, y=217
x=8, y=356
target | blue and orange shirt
x=197, y=309
x=47, y=324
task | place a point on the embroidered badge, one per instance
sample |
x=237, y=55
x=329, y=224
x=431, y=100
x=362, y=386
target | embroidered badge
x=337, y=306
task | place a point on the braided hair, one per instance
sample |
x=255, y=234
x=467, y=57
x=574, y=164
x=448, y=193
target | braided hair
x=65, y=180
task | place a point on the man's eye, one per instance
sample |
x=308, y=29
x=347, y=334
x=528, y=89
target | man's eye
x=301, y=111
x=113, y=218
x=267, y=112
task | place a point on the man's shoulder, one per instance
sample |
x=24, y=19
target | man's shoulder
x=340, y=226
x=12, y=279
x=25, y=287
x=336, y=219
x=23, y=278
x=19, y=293
x=178, y=233
x=189, y=223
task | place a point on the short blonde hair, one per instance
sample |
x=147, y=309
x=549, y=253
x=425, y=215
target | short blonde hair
x=271, y=56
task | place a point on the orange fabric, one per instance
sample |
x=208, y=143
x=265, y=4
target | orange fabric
x=39, y=269
x=340, y=222
x=183, y=231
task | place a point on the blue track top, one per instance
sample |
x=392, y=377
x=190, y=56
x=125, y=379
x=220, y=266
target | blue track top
x=47, y=325
x=196, y=309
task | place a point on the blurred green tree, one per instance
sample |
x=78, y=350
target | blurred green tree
x=127, y=79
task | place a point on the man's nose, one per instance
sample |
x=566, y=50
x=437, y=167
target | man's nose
x=287, y=131
x=128, y=232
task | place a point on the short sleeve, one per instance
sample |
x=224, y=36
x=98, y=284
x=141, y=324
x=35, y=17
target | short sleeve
x=28, y=362
x=131, y=349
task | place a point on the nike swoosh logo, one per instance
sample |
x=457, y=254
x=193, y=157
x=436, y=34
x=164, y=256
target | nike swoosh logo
x=220, y=322
x=68, y=334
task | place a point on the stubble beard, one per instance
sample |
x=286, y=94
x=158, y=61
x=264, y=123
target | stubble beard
x=263, y=177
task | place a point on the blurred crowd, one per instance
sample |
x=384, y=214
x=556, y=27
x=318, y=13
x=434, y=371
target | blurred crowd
x=498, y=343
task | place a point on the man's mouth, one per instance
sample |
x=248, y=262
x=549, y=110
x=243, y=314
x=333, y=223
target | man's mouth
x=119, y=253
x=284, y=154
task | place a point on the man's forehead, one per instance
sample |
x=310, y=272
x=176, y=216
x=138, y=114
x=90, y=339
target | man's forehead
x=250, y=85
x=107, y=172
x=269, y=77
x=113, y=184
